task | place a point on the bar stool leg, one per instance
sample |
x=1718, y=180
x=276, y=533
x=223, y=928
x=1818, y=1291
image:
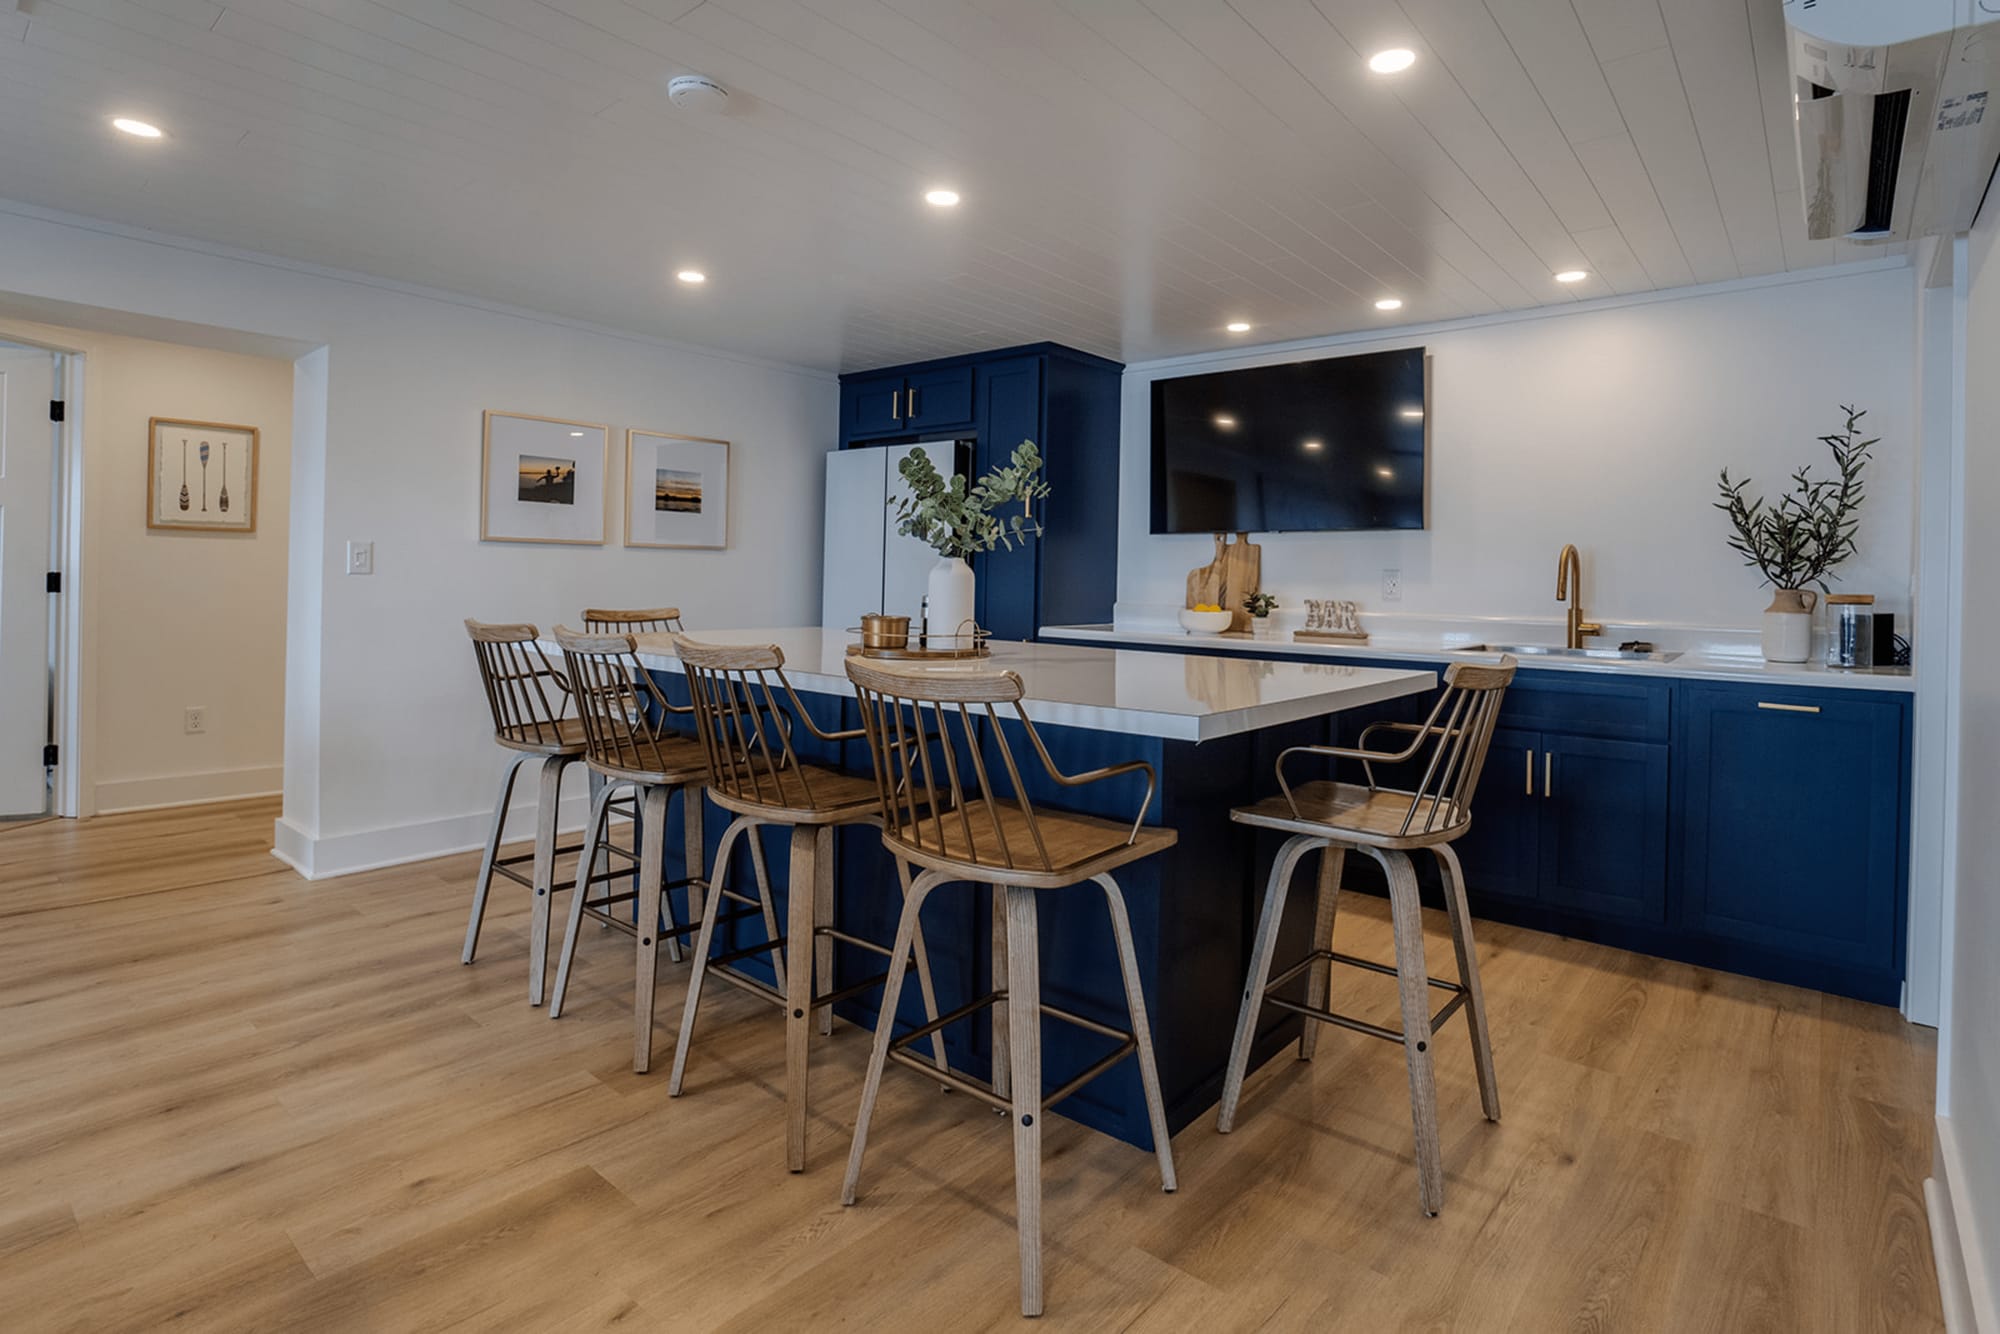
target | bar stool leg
x=997, y=971
x=1142, y=1031
x=546, y=816
x=1260, y=973
x=593, y=836
x=1407, y=912
x=1024, y=1055
x=704, y=943
x=597, y=784
x=923, y=970
x=485, y=881
x=885, y=1025
x=762, y=872
x=823, y=861
x=1332, y=859
x=652, y=858
x=1468, y=977
x=694, y=855
x=801, y=915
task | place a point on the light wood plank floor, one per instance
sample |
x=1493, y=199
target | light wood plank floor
x=230, y=1099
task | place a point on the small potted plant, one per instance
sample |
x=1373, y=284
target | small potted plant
x=957, y=521
x=1799, y=539
x=1259, y=606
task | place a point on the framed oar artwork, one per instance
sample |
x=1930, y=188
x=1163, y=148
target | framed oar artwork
x=201, y=477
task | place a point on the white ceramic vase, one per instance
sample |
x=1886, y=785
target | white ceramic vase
x=1788, y=625
x=951, y=589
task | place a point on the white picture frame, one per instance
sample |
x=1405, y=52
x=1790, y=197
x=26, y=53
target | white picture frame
x=676, y=491
x=191, y=467
x=542, y=479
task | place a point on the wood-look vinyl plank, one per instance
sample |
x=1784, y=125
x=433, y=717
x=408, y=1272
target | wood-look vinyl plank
x=235, y=1100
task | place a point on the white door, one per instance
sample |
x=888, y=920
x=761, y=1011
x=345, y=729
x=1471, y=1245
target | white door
x=851, y=577
x=906, y=562
x=27, y=468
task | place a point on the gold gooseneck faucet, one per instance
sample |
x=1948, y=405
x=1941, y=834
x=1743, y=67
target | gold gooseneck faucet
x=1569, y=588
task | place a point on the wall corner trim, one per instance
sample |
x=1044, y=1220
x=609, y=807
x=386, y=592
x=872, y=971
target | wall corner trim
x=330, y=857
x=1965, y=1278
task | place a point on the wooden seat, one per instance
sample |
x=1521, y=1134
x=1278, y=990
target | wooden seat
x=530, y=701
x=952, y=800
x=630, y=746
x=749, y=719
x=1386, y=824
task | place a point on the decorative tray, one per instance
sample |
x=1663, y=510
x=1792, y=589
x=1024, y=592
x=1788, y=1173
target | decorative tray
x=938, y=648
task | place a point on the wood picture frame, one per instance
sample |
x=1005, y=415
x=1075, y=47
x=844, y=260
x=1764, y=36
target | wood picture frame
x=553, y=485
x=201, y=502
x=681, y=499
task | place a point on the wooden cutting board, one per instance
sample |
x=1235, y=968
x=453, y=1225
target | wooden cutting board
x=1233, y=575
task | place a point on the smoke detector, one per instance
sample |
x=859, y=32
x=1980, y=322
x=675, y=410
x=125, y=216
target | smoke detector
x=695, y=92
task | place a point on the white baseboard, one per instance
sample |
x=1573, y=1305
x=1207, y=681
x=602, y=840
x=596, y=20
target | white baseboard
x=395, y=845
x=1966, y=1278
x=151, y=794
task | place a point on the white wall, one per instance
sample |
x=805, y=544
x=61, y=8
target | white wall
x=388, y=739
x=1605, y=427
x=1969, y=1112
x=186, y=618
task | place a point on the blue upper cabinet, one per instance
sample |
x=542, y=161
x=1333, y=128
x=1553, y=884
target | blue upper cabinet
x=1067, y=403
x=1795, y=826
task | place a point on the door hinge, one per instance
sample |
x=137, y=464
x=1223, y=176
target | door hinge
x=55, y=409
x=55, y=581
x=48, y=757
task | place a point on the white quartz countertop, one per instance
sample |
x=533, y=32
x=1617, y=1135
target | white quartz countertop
x=1189, y=697
x=1697, y=664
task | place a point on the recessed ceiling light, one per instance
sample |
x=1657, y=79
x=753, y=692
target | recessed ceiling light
x=1393, y=61
x=1385, y=472
x=1572, y=275
x=941, y=198
x=1315, y=444
x=1238, y=326
x=1411, y=414
x=576, y=435
x=1389, y=303
x=1224, y=421
x=692, y=277
x=138, y=129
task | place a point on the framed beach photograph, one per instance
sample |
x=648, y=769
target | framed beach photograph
x=542, y=479
x=676, y=490
x=201, y=477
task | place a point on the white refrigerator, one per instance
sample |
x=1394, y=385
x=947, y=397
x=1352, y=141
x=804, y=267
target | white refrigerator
x=869, y=566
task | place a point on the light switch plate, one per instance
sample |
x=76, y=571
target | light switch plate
x=361, y=558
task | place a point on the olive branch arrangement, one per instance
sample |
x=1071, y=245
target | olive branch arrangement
x=953, y=519
x=1810, y=529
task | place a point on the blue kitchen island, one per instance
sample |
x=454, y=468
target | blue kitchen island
x=1210, y=727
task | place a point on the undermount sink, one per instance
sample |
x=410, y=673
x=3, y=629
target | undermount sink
x=1557, y=651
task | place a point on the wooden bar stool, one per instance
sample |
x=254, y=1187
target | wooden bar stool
x=628, y=745
x=1386, y=824
x=529, y=699
x=747, y=714
x=971, y=830
x=641, y=621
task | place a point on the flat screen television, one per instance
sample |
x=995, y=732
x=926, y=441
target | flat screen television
x=1312, y=446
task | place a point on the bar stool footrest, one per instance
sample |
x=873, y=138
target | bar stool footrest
x=899, y=1053
x=1451, y=1007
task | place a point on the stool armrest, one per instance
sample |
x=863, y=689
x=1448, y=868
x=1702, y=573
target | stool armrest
x=1097, y=775
x=1366, y=756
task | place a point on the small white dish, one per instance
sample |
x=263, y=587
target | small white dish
x=1204, y=622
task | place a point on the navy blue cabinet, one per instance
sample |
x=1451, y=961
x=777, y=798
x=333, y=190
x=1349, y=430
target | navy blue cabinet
x=1603, y=843
x=1795, y=826
x=1067, y=403
x=1501, y=853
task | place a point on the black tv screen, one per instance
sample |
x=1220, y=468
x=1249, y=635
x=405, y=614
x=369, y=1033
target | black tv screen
x=1313, y=446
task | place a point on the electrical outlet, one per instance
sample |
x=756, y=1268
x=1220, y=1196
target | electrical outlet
x=1392, y=585
x=361, y=558
x=195, y=719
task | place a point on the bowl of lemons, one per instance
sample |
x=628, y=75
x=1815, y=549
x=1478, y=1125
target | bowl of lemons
x=1204, y=618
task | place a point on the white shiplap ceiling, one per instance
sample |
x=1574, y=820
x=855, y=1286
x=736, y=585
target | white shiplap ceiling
x=1135, y=173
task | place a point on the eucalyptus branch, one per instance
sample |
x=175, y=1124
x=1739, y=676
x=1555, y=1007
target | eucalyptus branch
x=1809, y=529
x=953, y=519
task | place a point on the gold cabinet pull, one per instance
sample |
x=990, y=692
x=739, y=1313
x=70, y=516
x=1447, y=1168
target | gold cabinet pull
x=1788, y=708
x=911, y=395
x=1528, y=767
x=1548, y=772
x=895, y=405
